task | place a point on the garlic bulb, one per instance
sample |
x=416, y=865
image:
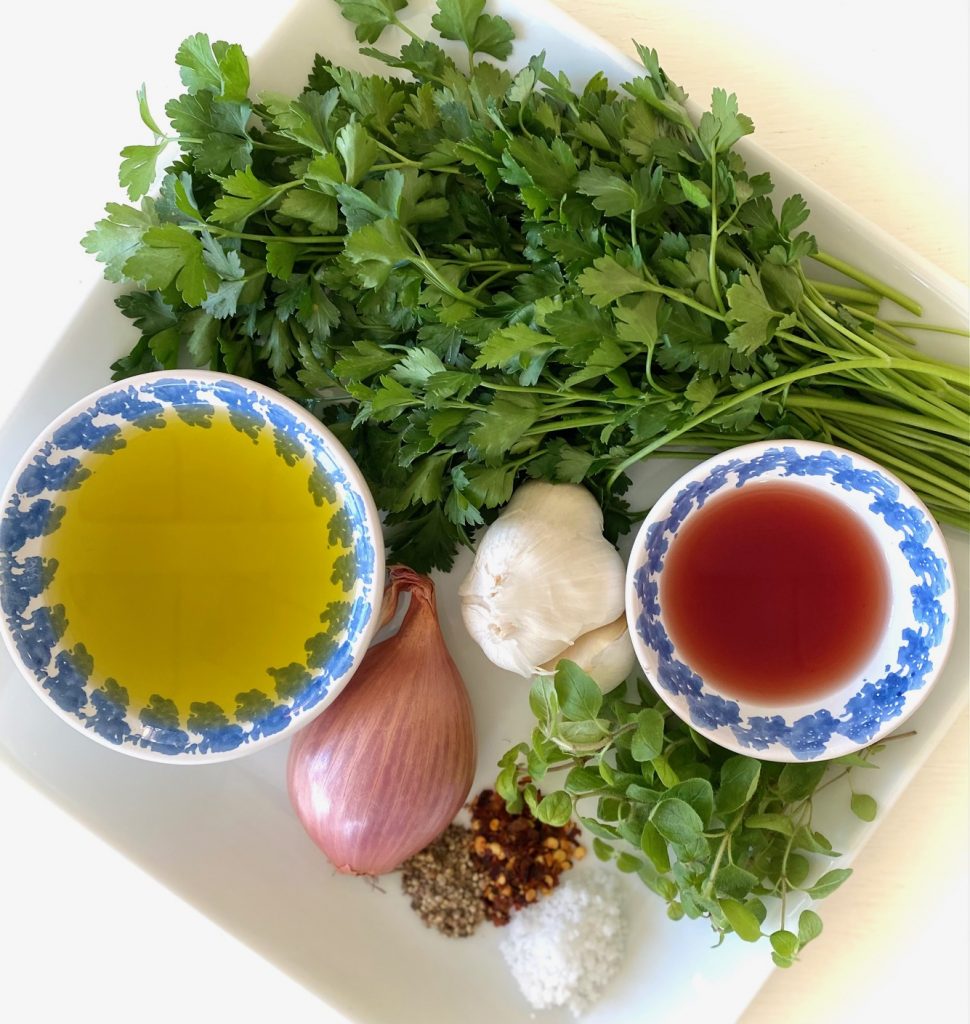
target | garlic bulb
x=545, y=581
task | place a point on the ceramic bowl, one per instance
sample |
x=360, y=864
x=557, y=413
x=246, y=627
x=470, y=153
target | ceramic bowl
x=898, y=675
x=39, y=635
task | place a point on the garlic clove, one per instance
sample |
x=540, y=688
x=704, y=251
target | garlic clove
x=606, y=654
x=536, y=586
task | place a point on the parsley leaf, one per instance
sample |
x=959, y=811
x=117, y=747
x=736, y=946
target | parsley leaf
x=606, y=281
x=502, y=423
x=755, y=319
x=371, y=16
x=318, y=210
x=116, y=238
x=517, y=342
x=220, y=126
x=463, y=20
x=244, y=195
x=167, y=254
x=219, y=68
x=138, y=168
x=375, y=250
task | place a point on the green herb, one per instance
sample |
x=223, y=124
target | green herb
x=714, y=834
x=475, y=276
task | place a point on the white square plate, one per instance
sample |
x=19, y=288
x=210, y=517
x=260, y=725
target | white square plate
x=224, y=837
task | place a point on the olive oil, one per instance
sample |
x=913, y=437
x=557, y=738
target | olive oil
x=192, y=561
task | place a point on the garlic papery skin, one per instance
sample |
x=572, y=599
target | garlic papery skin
x=606, y=654
x=543, y=576
x=560, y=504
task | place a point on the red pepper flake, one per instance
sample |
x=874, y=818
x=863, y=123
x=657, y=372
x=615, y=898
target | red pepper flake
x=520, y=857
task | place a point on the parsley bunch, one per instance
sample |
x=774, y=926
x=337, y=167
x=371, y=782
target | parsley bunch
x=475, y=275
x=716, y=835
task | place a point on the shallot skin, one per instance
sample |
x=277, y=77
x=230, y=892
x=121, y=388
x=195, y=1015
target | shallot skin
x=385, y=769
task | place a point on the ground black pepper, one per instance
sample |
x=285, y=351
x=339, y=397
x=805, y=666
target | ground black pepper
x=445, y=884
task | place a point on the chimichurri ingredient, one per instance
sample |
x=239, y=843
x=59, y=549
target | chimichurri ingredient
x=566, y=950
x=714, y=834
x=544, y=584
x=445, y=884
x=386, y=767
x=476, y=275
x=521, y=856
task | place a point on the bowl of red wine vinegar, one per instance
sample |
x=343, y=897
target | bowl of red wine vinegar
x=790, y=600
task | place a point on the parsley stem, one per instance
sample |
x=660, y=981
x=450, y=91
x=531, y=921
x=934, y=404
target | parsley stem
x=294, y=147
x=688, y=453
x=322, y=240
x=400, y=24
x=838, y=291
x=872, y=283
x=876, y=412
x=475, y=264
x=571, y=395
x=727, y=439
x=813, y=346
x=871, y=318
x=954, y=451
x=960, y=332
x=414, y=163
x=428, y=267
x=399, y=157
x=830, y=320
x=918, y=447
x=684, y=300
x=902, y=343
x=929, y=483
x=249, y=237
x=777, y=383
x=823, y=318
x=917, y=392
x=712, y=249
x=569, y=424
x=488, y=280
x=946, y=515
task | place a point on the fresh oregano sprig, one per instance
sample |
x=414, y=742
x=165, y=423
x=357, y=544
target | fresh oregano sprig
x=714, y=834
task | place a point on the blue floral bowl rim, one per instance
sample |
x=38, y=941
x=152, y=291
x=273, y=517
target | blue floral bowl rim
x=354, y=475
x=661, y=508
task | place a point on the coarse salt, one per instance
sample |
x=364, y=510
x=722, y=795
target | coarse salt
x=564, y=950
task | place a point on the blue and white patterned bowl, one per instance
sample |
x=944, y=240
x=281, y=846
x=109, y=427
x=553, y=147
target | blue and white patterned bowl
x=59, y=667
x=897, y=677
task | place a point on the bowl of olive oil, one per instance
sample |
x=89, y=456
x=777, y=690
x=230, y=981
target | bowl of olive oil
x=190, y=566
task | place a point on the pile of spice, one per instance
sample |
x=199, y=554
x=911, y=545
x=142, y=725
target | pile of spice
x=520, y=857
x=445, y=885
x=503, y=863
x=566, y=949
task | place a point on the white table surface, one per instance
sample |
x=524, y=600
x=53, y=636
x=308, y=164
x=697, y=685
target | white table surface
x=869, y=100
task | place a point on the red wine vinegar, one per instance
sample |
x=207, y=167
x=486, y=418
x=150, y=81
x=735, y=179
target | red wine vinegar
x=774, y=593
